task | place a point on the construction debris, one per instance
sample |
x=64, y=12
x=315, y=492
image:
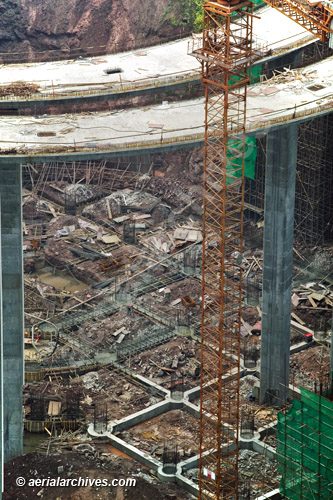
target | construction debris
x=20, y=89
x=118, y=275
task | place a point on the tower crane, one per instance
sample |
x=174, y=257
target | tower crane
x=226, y=52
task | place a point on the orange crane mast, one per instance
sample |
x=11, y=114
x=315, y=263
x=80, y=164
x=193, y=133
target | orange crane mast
x=226, y=53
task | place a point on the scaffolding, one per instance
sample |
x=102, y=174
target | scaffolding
x=101, y=417
x=170, y=457
x=314, y=178
x=110, y=175
x=304, y=448
x=314, y=52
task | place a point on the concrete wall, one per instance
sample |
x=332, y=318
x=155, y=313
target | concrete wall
x=12, y=307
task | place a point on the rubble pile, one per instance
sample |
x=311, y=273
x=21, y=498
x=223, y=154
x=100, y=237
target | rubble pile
x=257, y=473
x=312, y=306
x=179, y=357
x=308, y=367
x=20, y=89
x=106, y=333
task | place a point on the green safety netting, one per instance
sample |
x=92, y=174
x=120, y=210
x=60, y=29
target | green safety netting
x=255, y=73
x=305, y=448
x=234, y=164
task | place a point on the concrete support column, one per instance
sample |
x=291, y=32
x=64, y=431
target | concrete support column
x=281, y=155
x=12, y=307
x=1, y=378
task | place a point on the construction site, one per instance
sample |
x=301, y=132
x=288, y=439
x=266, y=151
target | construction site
x=166, y=262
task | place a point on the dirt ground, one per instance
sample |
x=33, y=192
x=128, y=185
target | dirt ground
x=104, y=465
x=177, y=427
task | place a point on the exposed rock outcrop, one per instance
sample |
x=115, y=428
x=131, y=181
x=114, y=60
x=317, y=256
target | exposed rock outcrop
x=33, y=28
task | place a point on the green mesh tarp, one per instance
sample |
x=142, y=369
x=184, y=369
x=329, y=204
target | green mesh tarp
x=255, y=75
x=234, y=163
x=305, y=448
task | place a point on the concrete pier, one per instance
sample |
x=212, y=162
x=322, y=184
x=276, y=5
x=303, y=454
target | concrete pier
x=12, y=308
x=278, y=254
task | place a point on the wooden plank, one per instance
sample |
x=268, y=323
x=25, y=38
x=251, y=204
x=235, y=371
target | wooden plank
x=52, y=210
x=122, y=218
x=316, y=296
x=245, y=326
x=120, y=338
x=257, y=262
x=249, y=269
x=299, y=320
x=107, y=201
x=110, y=238
x=317, y=309
x=119, y=331
x=57, y=188
x=298, y=254
x=312, y=302
x=301, y=328
x=79, y=300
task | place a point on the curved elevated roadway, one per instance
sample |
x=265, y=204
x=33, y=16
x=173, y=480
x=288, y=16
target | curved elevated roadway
x=141, y=70
x=165, y=126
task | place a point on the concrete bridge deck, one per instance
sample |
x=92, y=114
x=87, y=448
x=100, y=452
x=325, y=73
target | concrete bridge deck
x=172, y=124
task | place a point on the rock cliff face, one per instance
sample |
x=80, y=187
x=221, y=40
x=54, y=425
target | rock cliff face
x=88, y=27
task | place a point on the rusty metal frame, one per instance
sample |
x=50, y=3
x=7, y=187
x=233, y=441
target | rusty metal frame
x=225, y=52
x=317, y=19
